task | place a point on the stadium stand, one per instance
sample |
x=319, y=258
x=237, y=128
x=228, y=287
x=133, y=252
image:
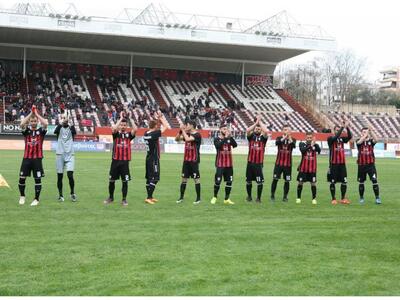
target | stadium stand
x=386, y=126
x=95, y=95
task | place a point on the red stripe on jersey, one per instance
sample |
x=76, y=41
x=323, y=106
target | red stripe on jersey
x=122, y=148
x=284, y=155
x=309, y=161
x=337, y=153
x=366, y=154
x=190, y=151
x=256, y=152
x=33, y=145
x=224, y=156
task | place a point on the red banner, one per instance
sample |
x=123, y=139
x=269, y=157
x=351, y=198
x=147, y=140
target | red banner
x=86, y=122
x=258, y=80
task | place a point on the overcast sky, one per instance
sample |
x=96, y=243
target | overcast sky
x=370, y=28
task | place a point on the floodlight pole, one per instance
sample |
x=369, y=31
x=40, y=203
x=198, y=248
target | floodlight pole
x=4, y=110
x=243, y=76
x=130, y=69
x=24, y=64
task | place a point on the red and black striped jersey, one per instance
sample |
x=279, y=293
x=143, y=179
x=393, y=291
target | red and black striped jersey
x=257, y=144
x=34, y=142
x=122, y=145
x=192, y=148
x=152, y=140
x=336, y=147
x=366, y=154
x=285, y=149
x=308, y=163
x=224, y=152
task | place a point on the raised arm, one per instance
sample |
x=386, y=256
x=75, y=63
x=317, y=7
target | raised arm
x=349, y=134
x=134, y=128
x=42, y=120
x=339, y=133
x=186, y=137
x=264, y=129
x=25, y=121
x=116, y=126
x=373, y=135
x=57, y=130
x=73, y=130
x=362, y=139
x=303, y=147
x=179, y=137
x=163, y=121
x=251, y=128
x=218, y=142
x=317, y=148
x=232, y=140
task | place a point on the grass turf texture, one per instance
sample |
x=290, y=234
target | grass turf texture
x=85, y=248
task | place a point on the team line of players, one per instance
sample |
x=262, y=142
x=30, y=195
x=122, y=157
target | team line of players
x=257, y=136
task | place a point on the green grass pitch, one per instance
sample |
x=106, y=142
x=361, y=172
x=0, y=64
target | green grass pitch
x=85, y=248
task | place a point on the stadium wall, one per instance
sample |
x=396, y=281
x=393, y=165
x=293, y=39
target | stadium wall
x=106, y=131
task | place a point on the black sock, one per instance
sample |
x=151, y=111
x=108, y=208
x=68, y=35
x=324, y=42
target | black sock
x=216, y=190
x=332, y=188
x=343, y=189
x=21, y=186
x=147, y=186
x=228, y=188
x=259, y=190
x=38, y=188
x=285, y=189
x=183, y=188
x=375, y=187
x=71, y=180
x=124, y=189
x=361, y=189
x=60, y=183
x=197, y=185
x=249, y=186
x=150, y=190
x=111, y=188
x=314, y=191
x=299, y=190
x=273, y=187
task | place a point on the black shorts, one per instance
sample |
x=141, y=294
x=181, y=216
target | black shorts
x=226, y=173
x=337, y=173
x=254, y=172
x=190, y=169
x=120, y=169
x=152, y=170
x=32, y=165
x=286, y=171
x=307, y=177
x=363, y=170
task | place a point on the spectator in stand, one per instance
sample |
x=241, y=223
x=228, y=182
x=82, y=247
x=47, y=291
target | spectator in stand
x=231, y=104
x=207, y=102
x=200, y=101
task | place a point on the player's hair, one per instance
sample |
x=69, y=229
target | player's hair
x=191, y=122
x=124, y=120
x=309, y=133
x=222, y=125
x=364, y=128
x=152, y=124
x=286, y=125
